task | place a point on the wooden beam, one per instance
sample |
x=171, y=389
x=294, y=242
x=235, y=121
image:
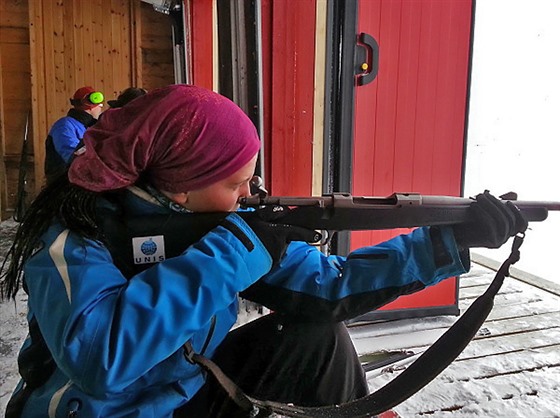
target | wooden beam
x=3, y=176
x=319, y=98
x=135, y=44
x=38, y=99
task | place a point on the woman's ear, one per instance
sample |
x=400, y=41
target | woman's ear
x=179, y=198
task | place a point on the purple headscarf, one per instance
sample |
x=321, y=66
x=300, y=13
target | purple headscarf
x=180, y=138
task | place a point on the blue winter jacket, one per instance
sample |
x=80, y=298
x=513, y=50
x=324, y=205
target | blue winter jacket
x=66, y=134
x=117, y=342
x=63, y=139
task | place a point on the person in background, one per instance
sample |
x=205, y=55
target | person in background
x=126, y=96
x=67, y=132
x=110, y=338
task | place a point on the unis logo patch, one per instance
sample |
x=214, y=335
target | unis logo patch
x=148, y=249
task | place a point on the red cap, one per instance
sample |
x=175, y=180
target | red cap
x=79, y=100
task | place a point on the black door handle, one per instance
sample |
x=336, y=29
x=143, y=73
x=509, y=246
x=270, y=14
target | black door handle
x=367, y=59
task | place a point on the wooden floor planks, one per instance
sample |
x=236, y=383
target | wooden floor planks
x=510, y=369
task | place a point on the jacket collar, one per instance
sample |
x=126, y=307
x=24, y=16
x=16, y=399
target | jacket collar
x=83, y=117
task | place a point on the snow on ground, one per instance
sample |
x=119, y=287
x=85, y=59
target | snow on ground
x=510, y=369
x=13, y=329
x=13, y=326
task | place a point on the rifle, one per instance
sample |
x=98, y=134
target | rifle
x=344, y=212
x=21, y=203
x=328, y=214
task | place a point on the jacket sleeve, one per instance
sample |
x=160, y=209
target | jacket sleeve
x=310, y=284
x=105, y=332
x=66, y=138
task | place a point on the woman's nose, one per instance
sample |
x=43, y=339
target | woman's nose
x=245, y=190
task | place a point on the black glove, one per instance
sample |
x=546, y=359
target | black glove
x=493, y=223
x=276, y=236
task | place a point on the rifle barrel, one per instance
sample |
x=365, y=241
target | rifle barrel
x=342, y=211
x=549, y=205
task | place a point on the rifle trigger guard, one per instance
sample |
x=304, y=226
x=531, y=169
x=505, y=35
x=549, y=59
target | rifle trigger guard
x=326, y=238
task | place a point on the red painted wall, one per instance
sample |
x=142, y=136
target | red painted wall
x=289, y=54
x=410, y=121
x=202, y=38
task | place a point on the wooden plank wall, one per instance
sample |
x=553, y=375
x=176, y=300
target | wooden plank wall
x=49, y=48
x=75, y=44
x=154, y=55
x=15, y=95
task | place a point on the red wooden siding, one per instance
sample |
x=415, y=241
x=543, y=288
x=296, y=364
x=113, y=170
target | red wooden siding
x=410, y=121
x=288, y=85
x=202, y=40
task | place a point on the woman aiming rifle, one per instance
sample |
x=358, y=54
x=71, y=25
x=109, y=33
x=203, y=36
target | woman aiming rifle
x=105, y=342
